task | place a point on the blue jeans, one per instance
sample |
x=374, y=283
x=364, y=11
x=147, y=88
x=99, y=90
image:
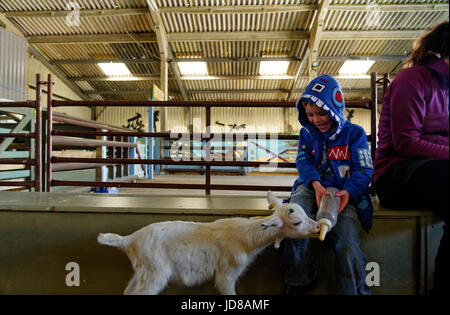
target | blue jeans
x=298, y=261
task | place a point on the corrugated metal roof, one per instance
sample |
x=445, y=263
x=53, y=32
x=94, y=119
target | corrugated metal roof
x=283, y=28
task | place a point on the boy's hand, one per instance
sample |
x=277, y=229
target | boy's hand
x=344, y=196
x=319, y=190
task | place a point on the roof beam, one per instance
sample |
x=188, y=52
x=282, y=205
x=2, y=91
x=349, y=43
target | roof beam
x=58, y=73
x=299, y=74
x=163, y=47
x=227, y=59
x=301, y=8
x=237, y=36
x=226, y=9
x=224, y=36
x=268, y=91
x=376, y=58
x=166, y=54
x=146, y=92
x=413, y=7
x=149, y=60
x=213, y=77
x=117, y=78
x=238, y=9
x=92, y=39
x=184, y=78
x=314, y=39
x=83, y=13
x=371, y=35
x=95, y=61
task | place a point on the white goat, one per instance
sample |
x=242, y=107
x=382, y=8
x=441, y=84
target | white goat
x=190, y=253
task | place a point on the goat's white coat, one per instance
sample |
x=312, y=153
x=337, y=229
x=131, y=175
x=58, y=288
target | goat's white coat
x=190, y=253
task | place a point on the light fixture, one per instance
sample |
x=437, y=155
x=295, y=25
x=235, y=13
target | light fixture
x=193, y=68
x=356, y=66
x=114, y=69
x=273, y=67
x=152, y=5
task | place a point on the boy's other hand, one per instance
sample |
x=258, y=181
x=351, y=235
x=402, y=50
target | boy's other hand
x=319, y=190
x=344, y=196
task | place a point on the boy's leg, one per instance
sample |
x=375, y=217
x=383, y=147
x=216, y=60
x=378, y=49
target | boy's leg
x=298, y=266
x=350, y=260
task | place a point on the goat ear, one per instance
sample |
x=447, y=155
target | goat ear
x=273, y=201
x=273, y=222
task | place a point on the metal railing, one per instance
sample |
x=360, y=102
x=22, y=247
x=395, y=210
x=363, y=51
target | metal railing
x=207, y=136
x=36, y=162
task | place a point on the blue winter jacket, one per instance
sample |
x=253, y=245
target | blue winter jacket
x=346, y=146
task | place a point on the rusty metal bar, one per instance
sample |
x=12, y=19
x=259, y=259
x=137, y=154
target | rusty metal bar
x=85, y=123
x=74, y=166
x=49, y=131
x=227, y=136
x=56, y=159
x=180, y=103
x=365, y=104
x=201, y=148
x=58, y=140
x=170, y=186
x=38, y=136
x=17, y=183
x=18, y=161
x=29, y=104
x=18, y=135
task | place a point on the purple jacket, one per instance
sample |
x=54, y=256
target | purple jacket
x=414, y=117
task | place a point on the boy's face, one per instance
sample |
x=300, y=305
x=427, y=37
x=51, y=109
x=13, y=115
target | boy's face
x=318, y=117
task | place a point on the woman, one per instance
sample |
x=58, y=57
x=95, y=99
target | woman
x=412, y=157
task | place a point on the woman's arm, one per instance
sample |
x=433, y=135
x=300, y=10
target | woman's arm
x=408, y=113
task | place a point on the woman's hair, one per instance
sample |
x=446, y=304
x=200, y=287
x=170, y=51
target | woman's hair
x=433, y=42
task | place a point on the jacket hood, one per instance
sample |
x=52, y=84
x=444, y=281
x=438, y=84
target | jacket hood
x=326, y=93
x=440, y=67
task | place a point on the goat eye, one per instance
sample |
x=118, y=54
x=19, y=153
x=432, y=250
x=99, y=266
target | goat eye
x=290, y=211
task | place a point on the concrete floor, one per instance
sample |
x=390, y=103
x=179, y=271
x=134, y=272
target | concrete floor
x=253, y=179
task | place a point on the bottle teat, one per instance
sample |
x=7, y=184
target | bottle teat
x=325, y=226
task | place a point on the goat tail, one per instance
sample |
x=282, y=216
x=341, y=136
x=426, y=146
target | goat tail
x=111, y=239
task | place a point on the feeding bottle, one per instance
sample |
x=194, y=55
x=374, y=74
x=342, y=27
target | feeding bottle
x=328, y=212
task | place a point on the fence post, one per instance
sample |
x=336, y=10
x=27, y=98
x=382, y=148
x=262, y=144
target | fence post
x=373, y=113
x=49, y=131
x=38, y=136
x=208, y=150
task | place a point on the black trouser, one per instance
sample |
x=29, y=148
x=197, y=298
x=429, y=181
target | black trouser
x=421, y=184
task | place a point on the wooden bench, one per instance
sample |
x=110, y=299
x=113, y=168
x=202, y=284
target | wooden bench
x=41, y=233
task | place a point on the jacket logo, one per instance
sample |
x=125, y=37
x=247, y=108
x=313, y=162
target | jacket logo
x=338, y=153
x=318, y=88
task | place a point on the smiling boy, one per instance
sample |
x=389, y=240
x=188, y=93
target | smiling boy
x=332, y=153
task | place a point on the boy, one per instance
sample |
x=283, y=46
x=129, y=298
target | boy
x=332, y=153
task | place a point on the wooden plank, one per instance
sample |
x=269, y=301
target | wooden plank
x=14, y=154
x=15, y=174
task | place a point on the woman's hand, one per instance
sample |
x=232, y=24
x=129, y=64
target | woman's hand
x=319, y=190
x=344, y=196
